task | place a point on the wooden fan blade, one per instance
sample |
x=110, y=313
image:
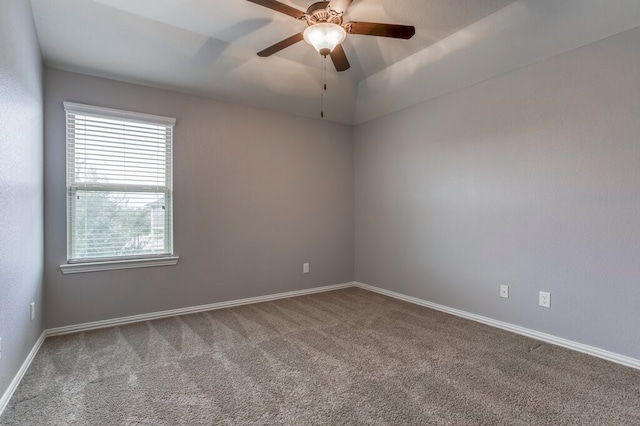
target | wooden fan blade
x=281, y=45
x=339, y=59
x=339, y=6
x=280, y=7
x=381, y=30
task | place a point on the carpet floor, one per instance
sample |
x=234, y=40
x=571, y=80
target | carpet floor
x=342, y=357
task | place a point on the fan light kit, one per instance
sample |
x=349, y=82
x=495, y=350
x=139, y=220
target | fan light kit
x=324, y=37
x=326, y=33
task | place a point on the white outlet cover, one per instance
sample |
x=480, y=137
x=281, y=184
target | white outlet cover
x=504, y=291
x=305, y=268
x=545, y=299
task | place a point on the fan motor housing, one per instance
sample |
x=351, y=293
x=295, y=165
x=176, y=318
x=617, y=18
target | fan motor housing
x=321, y=12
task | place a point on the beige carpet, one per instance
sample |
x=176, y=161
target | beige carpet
x=343, y=357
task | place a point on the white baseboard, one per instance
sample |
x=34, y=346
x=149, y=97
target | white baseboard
x=548, y=338
x=189, y=310
x=4, y=401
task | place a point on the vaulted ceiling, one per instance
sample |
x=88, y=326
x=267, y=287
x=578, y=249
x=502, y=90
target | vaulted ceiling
x=208, y=47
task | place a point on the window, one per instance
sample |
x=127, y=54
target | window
x=119, y=185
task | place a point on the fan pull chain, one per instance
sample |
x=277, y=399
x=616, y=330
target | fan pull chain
x=323, y=88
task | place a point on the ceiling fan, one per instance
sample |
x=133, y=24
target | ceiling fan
x=325, y=31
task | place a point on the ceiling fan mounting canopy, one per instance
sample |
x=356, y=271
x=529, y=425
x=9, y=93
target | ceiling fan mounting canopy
x=321, y=12
x=325, y=31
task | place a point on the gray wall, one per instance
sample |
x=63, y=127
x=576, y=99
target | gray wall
x=257, y=194
x=530, y=179
x=21, y=193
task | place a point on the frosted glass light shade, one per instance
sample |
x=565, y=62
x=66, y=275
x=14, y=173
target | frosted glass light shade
x=324, y=37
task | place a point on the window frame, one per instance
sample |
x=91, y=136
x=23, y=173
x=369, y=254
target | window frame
x=92, y=264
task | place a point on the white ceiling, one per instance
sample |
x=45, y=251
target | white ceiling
x=208, y=47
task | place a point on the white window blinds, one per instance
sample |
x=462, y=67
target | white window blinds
x=119, y=184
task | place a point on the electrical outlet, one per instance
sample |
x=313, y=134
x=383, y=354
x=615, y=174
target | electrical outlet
x=545, y=299
x=305, y=268
x=504, y=291
x=33, y=311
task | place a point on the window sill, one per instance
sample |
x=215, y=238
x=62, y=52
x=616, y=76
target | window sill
x=76, y=268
